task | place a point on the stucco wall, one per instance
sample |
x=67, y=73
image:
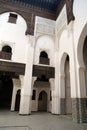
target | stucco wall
x=44, y=38
x=14, y=35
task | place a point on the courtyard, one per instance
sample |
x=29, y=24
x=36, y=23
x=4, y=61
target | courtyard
x=37, y=121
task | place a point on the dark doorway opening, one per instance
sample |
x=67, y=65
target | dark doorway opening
x=6, y=87
x=42, y=101
x=68, y=100
x=17, y=103
x=85, y=62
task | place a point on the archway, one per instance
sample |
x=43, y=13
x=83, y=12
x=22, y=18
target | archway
x=42, y=101
x=68, y=102
x=7, y=49
x=6, y=87
x=81, y=110
x=85, y=63
x=65, y=87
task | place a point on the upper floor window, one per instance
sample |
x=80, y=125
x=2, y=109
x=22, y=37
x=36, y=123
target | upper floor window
x=6, y=52
x=44, y=58
x=12, y=18
x=7, y=49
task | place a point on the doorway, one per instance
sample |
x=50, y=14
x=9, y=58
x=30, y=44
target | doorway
x=6, y=87
x=85, y=63
x=42, y=101
x=17, y=102
x=68, y=100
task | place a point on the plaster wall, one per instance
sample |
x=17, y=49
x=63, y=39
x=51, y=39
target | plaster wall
x=80, y=33
x=68, y=45
x=14, y=35
x=44, y=38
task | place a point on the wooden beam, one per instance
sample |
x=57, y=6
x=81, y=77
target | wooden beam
x=48, y=71
x=12, y=67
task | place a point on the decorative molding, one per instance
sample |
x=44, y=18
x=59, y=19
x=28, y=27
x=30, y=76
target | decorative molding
x=61, y=22
x=44, y=26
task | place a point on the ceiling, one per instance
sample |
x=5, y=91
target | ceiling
x=50, y=5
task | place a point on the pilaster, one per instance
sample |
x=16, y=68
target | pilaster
x=55, y=99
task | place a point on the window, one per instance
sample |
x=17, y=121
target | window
x=6, y=52
x=7, y=49
x=43, y=59
x=34, y=95
x=12, y=18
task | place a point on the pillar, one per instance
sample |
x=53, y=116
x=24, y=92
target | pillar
x=62, y=93
x=26, y=92
x=79, y=103
x=54, y=97
x=78, y=89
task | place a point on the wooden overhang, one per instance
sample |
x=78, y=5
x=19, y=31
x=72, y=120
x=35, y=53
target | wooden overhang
x=48, y=71
x=11, y=68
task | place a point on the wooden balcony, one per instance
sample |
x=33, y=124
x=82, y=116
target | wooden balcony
x=11, y=68
x=5, y=55
x=48, y=71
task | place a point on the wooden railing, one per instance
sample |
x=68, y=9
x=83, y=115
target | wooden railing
x=5, y=55
x=44, y=61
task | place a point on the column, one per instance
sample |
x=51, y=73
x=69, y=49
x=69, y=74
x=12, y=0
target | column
x=16, y=85
x=62, y=93
x=54, y=97
x=26, y=92
x=77, y=76
x=79, y=103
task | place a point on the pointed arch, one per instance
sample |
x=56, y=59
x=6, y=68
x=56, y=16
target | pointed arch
x=65, y=86
x=80, y=46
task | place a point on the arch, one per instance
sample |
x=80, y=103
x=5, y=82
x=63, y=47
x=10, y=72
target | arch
x=81, y=74
x=21, y=16
x=81, y=71
x=7, y=48
x=80, y=46
x=44, y=43
x=13, y=12
x=41, y=36
x=42, y=101
x=85, y=60
x=65, y=86
x=62, y=62
x=43, y=54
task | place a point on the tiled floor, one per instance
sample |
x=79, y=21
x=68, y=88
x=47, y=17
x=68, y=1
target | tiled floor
x=37, y=121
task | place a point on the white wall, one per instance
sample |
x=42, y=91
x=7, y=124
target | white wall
x=67, y=43
x=44, y=38
x=44, y=43
x=14, y=36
